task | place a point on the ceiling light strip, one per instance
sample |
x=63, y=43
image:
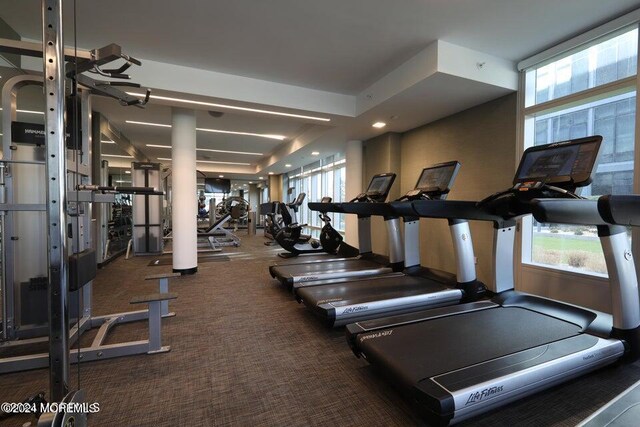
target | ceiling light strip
x=210, y=161
x=231, y=132
x=261, y=135
x=209, y=150
x=117, y=155
x=28, y=111
x=232, y=107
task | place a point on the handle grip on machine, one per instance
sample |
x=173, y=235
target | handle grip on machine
x=414, y=195
x=493, y=197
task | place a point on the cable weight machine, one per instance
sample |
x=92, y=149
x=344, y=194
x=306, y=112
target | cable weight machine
x=66, y=205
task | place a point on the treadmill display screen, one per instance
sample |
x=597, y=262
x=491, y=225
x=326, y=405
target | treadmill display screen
x=438, y=178
x=380, y=185
x=570, y=162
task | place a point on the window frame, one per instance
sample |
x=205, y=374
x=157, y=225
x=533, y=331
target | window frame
x=578, y=287
x=312, y=179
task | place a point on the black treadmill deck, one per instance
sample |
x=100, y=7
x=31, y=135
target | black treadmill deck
x=468, y=339
x=364, y=290
x=323, y=300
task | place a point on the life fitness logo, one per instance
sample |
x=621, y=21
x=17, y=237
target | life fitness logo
x=480, y=395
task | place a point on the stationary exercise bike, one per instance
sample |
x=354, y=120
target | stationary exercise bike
x=274, y=220
x=331, y=241
x=283, y=215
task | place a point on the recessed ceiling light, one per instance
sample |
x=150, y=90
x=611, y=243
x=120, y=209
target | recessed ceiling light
x=379, y=125
x=106, y=141
x=220, y=176
x=231, y=107
x=288, y=165
x=260, y=135
x=315, y=153
x=261, y=177
x=127, y=172
x=117, y=155
x=270, y=173
x=211, y=150
x=250, y=182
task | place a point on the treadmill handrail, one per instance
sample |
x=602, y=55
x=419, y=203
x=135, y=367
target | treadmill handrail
x=621, y=210
x=369, y=209
x=326, y=207
x=567, y=211
x=458, y=209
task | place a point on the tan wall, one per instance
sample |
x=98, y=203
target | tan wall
x=275, y=188
x=382, y=154
x=483, y=140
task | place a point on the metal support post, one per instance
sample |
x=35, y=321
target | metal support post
x=53, y=48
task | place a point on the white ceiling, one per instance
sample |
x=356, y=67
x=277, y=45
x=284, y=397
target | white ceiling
x=340, y=47
x=333, y=45
x=141, y=135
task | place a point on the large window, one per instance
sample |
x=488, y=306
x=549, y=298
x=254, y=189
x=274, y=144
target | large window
x=324, y=178
x=591, y=91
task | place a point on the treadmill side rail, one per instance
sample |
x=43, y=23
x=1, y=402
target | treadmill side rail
x=344, y=314
x=490, y=394
x=340, y=274
x=623, y=409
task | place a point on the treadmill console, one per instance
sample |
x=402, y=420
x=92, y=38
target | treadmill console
x=434, y=182
x=567, y=164
x=547, y=171
x=378, y=188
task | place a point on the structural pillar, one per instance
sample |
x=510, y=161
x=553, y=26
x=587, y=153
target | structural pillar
x=184, y=209
x=353, y=187
x=254, y=197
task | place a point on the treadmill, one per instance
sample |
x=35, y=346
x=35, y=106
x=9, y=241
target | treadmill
x=624, y=410
x=365, y=265
x=457, y=362
x=338, y=304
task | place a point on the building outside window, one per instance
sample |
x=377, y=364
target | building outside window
x=324, y=178
x=588, y=91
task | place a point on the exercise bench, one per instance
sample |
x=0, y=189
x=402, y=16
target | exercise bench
x=163, y=288
x=154, y=302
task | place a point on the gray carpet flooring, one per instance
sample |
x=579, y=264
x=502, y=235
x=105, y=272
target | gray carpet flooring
x=245, y=353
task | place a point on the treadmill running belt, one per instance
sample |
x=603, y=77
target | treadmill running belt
x=311, y=269
x=409, y=352
x=361, y=291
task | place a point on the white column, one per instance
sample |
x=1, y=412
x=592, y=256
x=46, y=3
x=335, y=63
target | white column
x=353, y=187
x=184, y=208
